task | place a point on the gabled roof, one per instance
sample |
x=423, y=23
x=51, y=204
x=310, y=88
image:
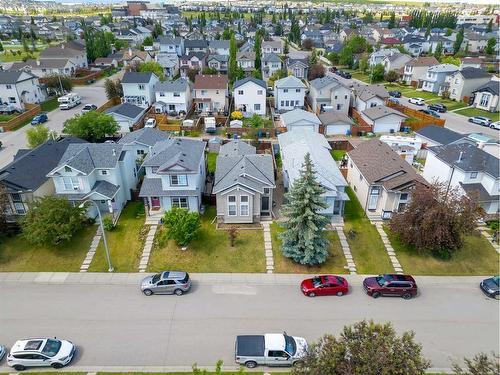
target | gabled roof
x=366, y=92
x=219, y=44
x=423, y=61
x=126, y=110
x=28, y=171
x=144, y=136
x=334, y=117
x=220, y=58
x=257, y=81
x=325, y=81
x=236, y=148
x=474, y=73
x=41, y=64
x=12, y=76
x=270, y=57
x=289, y=82
x=182, y=153
x=137, y=77
x=380, y=165
x=379, y=111
x=196, y=43
x=271, y=43
x=298, y=114
x=210, y=82
x=491, y=87
x=438, y=134
x=250, y=55
x=180, y=84
x=443, y=68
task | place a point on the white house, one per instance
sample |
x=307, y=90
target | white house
x=289, y=93
x=219, y=47
x=173, y=96
x=463, y=82
x=328, y=94
x=18, y=88
x=486, y=97
x=368, y=96
x=466, y=167
x=46, y=67
x=175, y=175
x=335, y=123
x=138, y=88
x=294, y=146
x=272, y=46
x=126, y=115
x=383, y=119
x=250, y=95
x=300, y=119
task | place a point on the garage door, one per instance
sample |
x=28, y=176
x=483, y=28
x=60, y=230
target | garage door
x=305, y=127
x=337, y=129
x=124, y=126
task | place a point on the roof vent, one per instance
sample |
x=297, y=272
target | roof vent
x=460, y=157
x=114, y=152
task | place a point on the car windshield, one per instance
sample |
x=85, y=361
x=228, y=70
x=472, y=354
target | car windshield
x=316, y=281
x=496, y=280
x=381, y=280
x=290, y=346
x=51, y=348
x=156, y=278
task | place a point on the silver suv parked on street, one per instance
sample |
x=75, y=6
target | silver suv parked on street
x=166, y=282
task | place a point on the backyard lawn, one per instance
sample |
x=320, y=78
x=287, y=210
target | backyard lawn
x=211, y=251
x=476, y=257
x=338, y=154
x=125, y=242
x=49, y=105
x=16, y=255
x=471, y=112
x=367, y=248
x=334, y=264
x=7, y=56
x=211, y=161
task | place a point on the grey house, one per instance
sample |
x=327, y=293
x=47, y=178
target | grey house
x=244, y=183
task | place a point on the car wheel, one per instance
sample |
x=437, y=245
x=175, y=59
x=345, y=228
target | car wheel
x=147, y=292
x=375, y=294
x=406, y=296
x=178, y=292
x=57, y=365
x=470, y=120
x=312, y=294
x=19, y=367
x=251, y=364
x=297, y=363
x=340, y=294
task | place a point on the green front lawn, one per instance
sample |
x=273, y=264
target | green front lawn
x=16, y=255
x=471, y=112
x=338, y=154
x=211, y=251
x=125, y=242
x=7, y=56
x=211, y=162
x=334, y=264
x=476, y=257
x=49, y=105
x=367, y=248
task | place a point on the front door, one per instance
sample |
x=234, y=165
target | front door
x=155, y=203
x=264, y=205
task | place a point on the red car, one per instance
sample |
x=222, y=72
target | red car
x=324, y=285
x=391, y=285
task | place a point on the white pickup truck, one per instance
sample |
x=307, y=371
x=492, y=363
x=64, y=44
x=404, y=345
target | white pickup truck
x=271, y=349
x=69, y=101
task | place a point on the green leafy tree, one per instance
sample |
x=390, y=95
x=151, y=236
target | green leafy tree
x=392, y=21
x=490, y=47
x=113, y=89
x=38, y=135
x=450, y=60
x=391, y=76
x=489, y=28
x=58, y=83
x=1, y=46
x=255, y=121
x=438, y=52
x=148, y=41
x=182, y=225
x=257, y=74
x=458, y=40
x=192, y=73
x=308, y=44
x=157, y=31
x=365, y=348
x=51, y=220
x=153, y=67
x=26, y=48
x=377, y=73
x=208, y=70
x=286, y=49
x=481, y=364
x=303, y=239
x=4, y=207
x=92, y=126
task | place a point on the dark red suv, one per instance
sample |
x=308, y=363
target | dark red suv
x=391, y=285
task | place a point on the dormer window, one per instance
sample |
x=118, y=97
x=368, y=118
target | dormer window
x=104, y=172
x=67, y=169
x=141, y=86
x=178, y=180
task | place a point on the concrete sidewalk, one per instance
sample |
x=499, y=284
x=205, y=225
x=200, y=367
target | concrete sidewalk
x=94, y=278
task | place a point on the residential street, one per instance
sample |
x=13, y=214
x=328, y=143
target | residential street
x=115, y=325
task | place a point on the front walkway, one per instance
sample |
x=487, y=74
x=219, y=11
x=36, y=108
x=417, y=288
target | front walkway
x=489, y=237
x=390, y=250
x=93, y=247
x=346, y=250
x=268, y=246
x=148, y=245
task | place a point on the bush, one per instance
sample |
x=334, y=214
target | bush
x=107, y=222
x=182, y=225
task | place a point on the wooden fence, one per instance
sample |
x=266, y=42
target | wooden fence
x=359, y=125
x=110, y=103
x=422, y=121
x=22, y=118
x=90, y=76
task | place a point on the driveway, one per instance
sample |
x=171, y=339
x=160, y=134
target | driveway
x=13, y=141
x=113, y=324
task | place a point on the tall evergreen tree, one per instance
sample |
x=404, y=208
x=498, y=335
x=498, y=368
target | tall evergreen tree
x=232, y=58
x=303, y=239
x=458, y=40
x=438, y=52
x=257, y=49
x=489, y=28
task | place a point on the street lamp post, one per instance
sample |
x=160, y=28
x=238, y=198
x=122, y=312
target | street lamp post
x=110, y=266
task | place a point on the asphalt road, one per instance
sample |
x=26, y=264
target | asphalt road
x=115, y=325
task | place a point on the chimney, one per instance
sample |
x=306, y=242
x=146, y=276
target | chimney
x=460, y=157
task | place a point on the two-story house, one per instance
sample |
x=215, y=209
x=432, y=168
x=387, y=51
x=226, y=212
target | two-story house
x=466, y=167
x=294, y=146
x=416, y=69
x=271, y=63
x=173, y=96
x=434, y=80
x=197, y=45
x=170, y=45
x=250, y=96
x=396, y=61
x=74, y=51
x=218, y=62
x=376, y=57
x=272, y=46
x=415, y=44
x=169, y=62
x=289, y=93
x=244, y=183
x=328, y=94
x=44, y=68
x=211, y=93
x=462, y=83
x=298, y=66
x=246, y=61
x=486, y=97
x=193, y=60
x=18, y=88
x=368, y=96
x=219, y=47
x=435, y=40
x=175, y=175
x=138, y=88
x=102, y=172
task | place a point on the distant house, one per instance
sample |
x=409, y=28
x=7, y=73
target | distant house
x=368, y=96
x=74, y=51
x=289, y=93
x=250, y=96
x=170, y=45
x=133, y=56
x=329, y=94
x=475, y=42
x=175, y=175
x=244, y=183
x=300, y=119
x=18, y=88
x=434, y=80
x=25, y=177
x=462, y=83
x=376, y=57
x=298, y=66
x=415, y=44
x=486, y=97
x=396, y=61
x=173, y=96
x=44, y=68
x=170, y=64
x=416, y=69
x=383, y=119
x=272, y=46
x=294, y=146
x=107, y=62
x=198, y=45
x=126, y=115
x=335, y=123
x=211, y=93
x=382, y=181
x=193, y=60
x=246, y=61
x=219, y=47
x=218, y=62
x=271, y=63
x=138, y=88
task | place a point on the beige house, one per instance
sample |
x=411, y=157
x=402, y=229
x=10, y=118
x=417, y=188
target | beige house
x=486, y=97
x=381, y=179
x=211, y=93
x=416, y=69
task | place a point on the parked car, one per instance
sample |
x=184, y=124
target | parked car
x=324, y=285
x=347, y=75
x=395, y=94
x=416, y=101
x=390, y=285
x=438, y=107
x=480, y=120
x=3, y=350
x=36, y=352
x=166, y=282
x=429, y=112
x=490, y=287
x=150, y=123
x=39, y=119
x=495, y=125
x=89, y=107
x=393, y=100
x=333, y=69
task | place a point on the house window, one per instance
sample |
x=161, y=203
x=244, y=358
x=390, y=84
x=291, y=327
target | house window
x=67, y=169
x=177, y=94
x=345, y=97
x=8, y=87
x=485, y=99
x=339, y=107
x=282, y=103
x=473, y=175
x=141, y=87
x=287, y=103
x=403, y=200
x=18, y=204
x=162, y=94
x=373, y=105
x=244, y=205
x=12, y=99
x=104, y=172
x=71, y=183
x=178, y=180
x=285, y=90
x=203, y=92
x=231, y=205
x=297, y=90
x=240, y=92
x=374, y=194
x=335, y=97
x=266, y=191
x=256, y=107
x=180, y=202
x=259, y=92
x=360, y=177
x=140, y=152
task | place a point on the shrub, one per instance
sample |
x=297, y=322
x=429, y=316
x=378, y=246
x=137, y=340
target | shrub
x=182, y=225
x=236, y=115
x=107, y=222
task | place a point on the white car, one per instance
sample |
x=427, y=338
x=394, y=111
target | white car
x=37, y=352
x=416, y=101
x=150, y=123
x=480, y=120
x=495, y=125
